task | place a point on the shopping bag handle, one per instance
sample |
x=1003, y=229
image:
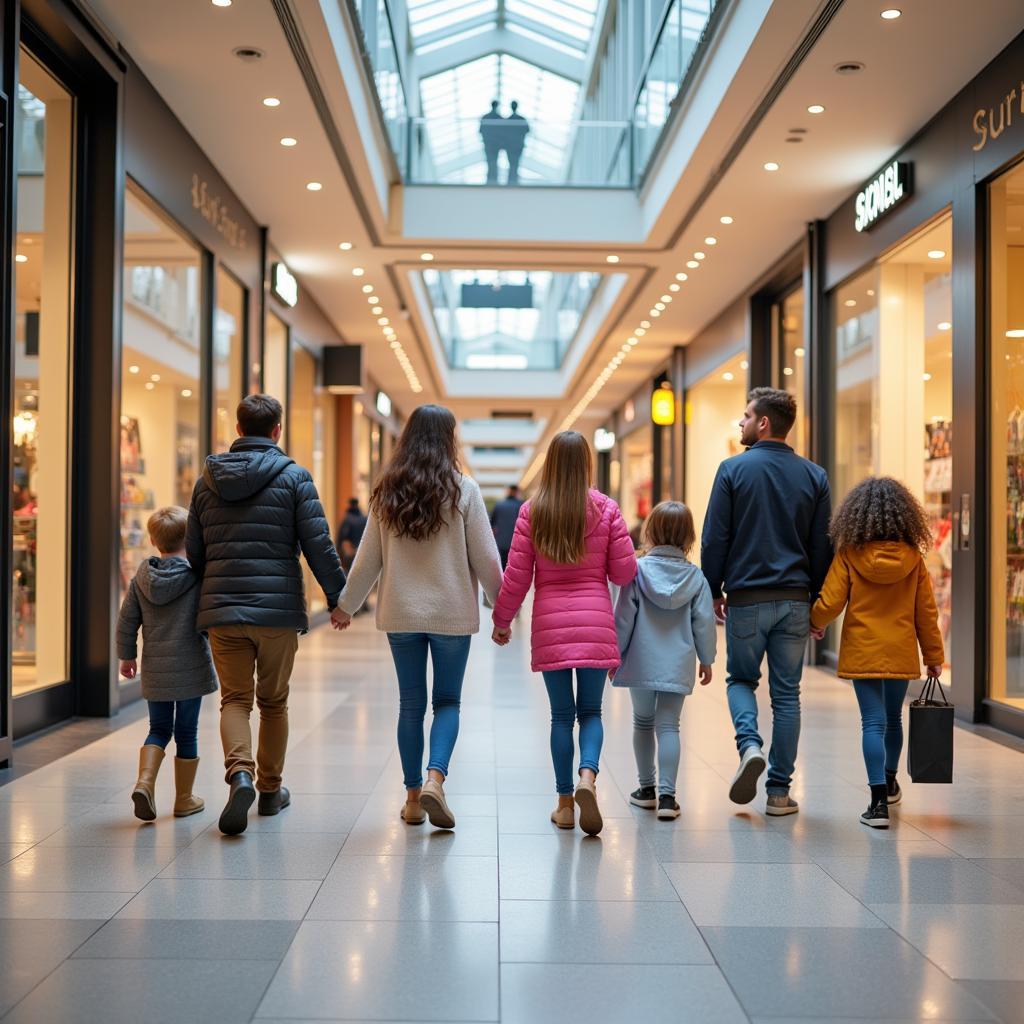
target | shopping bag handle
x=927, y=694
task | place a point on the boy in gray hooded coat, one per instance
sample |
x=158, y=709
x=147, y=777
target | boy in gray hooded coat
x=177, y=668
x=665, y=620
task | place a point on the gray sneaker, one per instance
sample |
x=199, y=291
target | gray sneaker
x=744, y=783
x=781, y=803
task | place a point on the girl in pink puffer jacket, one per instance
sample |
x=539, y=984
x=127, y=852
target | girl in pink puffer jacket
x=569, y=542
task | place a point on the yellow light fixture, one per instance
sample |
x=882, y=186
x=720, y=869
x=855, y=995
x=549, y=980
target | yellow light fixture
x=663, y=407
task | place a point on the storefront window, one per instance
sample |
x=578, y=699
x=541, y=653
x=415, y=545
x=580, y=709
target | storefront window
x=714, y=407
x=42, y=381
x=160, y=373
x=275, y=359
x=637, y=478
x=894, y=385
x=788, y=323
x=302, y=441
x=228, y=341
x=1006, y=311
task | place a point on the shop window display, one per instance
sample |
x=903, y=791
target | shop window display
x=788, y=325
x=228, y=341
x=160, y=375
x=275, y=360
x=894, y=386
x=1006, y=310
x=636, y=479
x=42, y=380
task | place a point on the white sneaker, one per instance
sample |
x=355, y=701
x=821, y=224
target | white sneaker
x=744, y=783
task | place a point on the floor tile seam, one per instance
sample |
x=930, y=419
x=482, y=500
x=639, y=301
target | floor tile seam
x=976, y=861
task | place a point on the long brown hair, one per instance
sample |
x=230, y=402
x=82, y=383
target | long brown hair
x=880, y=508
x=558, y=515
x=670, y=524
x=421, y=482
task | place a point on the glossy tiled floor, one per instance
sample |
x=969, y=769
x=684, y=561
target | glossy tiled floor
x=337, y=911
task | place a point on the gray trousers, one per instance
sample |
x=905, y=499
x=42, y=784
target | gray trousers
x=656, y=714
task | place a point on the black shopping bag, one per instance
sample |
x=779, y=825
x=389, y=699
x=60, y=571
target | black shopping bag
x=930, y=750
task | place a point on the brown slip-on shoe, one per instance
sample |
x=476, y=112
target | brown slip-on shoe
x=590, y=814
x=564, y=817
x=433, y=802
x=144, y=793
x=413, y=814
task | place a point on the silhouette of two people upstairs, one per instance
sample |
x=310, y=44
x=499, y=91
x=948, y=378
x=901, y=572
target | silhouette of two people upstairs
x=503, y=133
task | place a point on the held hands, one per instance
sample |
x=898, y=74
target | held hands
x=817, y=634
x=720, y=608
x=129, y=668
x=339, y=619
x=501, y=636
x=705, y=675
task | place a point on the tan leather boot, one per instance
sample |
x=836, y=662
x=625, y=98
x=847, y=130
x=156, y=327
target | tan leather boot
x=590, y=814
x=144, y=794
x=184, y=778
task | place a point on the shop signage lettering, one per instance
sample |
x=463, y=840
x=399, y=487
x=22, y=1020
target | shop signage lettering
x=286, y=288
x=881, y=195
x=216, y=212
x=990, y=122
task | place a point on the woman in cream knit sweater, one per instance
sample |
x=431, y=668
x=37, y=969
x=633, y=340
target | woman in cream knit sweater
x=428, y=540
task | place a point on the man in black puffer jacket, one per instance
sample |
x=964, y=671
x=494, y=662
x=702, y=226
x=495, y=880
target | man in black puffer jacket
x=252, y=511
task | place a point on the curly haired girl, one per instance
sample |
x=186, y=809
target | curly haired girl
x=880, y=533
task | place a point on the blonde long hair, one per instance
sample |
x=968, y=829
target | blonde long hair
x=558, y=514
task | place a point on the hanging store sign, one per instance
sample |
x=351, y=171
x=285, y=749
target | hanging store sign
x=663, y=407
x=383, y=404
x=284, y=285
x=882, y=194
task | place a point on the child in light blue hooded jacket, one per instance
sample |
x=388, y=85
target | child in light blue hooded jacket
x=665, y=620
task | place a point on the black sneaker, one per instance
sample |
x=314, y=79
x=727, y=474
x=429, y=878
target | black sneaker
x=877, y=815
x=893, y=791
x=645, y=796
x=668, y=809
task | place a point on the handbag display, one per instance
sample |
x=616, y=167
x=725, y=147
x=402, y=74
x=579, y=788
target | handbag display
x=930, y=747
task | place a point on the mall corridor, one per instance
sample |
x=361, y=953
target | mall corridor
x=336, y=910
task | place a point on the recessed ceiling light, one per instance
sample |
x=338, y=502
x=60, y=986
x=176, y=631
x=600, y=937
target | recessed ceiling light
x=150, y=385
x=787, y=371
x=659, y=306
x=936, y=254
x=640, y=332
x=358, y=271
x=711, y=240
x=367, y=288
x=611, y=258
x=681, y=276
x=799, y=353
x=289, y=141
x=692, y=264
x=632, y=340
x=850, y=303
x=373, y=300
x=926, y=376
x=673, y=287
x=945, y=325
x=221, y=3
x=271, y=101
x=744, y=365
x=21, y=258
x=666, y=298
x=725, y=220
x=871, y=292
x=771, y=166
x=377, y=310
x=655, y=313
x=186, y=392
x=383, y=321
x=344, y=246
x=313, y=186
x=815, y=108
x=133, y=369
x=728, y=375
x=426, y=256
x=1015, y=333
x=891, y=13
x=698, y=255
x=154, y=377
x=644, y=324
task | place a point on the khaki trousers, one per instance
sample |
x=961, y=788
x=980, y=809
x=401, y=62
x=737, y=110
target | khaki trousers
x=239, y=652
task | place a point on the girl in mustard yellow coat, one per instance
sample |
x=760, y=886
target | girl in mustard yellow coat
x=878, y=575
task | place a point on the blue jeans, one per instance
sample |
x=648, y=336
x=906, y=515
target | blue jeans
x=881, y=722
x=565, y=711
x=449, y=655
x=177, y=718
x=779, y=629
x=657, y=713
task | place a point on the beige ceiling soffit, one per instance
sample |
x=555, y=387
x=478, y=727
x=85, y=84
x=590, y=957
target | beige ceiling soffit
x=828, y=11
x=293, y=34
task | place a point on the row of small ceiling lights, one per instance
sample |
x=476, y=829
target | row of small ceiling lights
x=383, y=322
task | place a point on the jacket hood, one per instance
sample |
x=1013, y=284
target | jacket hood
x=667, y=579
x=163, y=580
x=246, y=469
x=884, y=561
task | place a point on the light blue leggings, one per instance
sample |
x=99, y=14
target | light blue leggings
x=881, y=717
x=657, y=714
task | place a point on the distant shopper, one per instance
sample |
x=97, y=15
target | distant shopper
x=665, y=621
x=503, y=522
x=252, y=512
x=177, y=670
x=428, y=542
x=491, y=129
x=766, y=544
x=879, y=577
x=350, y=532
x=569, y=542
x=514, y=132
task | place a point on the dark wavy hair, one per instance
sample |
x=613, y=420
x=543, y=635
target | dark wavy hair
x=421, y=482
x=880, y=508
